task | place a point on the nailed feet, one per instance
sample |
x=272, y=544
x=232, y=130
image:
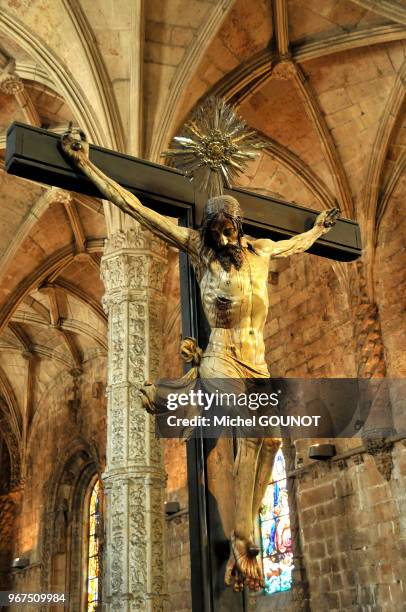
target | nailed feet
x=243, y=567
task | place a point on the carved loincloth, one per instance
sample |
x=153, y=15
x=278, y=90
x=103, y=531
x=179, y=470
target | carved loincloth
x=209, y=371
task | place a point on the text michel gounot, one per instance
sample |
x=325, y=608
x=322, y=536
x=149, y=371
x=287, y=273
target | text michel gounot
x=252, y=401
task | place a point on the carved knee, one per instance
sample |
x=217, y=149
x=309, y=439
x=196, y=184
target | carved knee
x=247, y=448
x=272, y=445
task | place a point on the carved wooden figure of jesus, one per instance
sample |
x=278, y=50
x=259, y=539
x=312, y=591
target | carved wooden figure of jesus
x=232, y=272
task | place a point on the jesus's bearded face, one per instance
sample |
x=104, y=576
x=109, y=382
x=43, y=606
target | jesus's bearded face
x=223, y=238
x=224, y=232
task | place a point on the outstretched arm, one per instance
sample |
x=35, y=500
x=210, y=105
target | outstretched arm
x=301, y=242
x=76, y=147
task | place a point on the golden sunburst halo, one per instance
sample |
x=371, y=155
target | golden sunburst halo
x=214, y=147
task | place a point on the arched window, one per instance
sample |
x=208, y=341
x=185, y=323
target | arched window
x=276, y=543
x=94, y=549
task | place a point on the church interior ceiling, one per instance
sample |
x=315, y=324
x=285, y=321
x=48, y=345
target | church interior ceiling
x=323, y=83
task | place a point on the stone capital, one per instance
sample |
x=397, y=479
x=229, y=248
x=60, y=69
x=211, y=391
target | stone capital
x=10, y=83
x=135, y=238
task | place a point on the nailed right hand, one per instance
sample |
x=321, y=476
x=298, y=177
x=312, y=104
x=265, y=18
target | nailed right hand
x=75, y=144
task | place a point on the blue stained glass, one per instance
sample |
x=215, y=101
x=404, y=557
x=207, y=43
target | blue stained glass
x=276, y=542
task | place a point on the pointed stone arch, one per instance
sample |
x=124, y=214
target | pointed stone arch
x=99, y=72
x=61, y=537
x=372, y=207
x=184, y=73
x=64, y=81
x=10, y=402
x=389, y=189
x=391, y=9
x=295, y=164
x=13, y=443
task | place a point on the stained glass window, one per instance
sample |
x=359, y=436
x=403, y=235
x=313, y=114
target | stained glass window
x=276, y=544
x=93, y=565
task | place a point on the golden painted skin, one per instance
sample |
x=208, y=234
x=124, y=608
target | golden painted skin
x=236, y=302
x=236, y=305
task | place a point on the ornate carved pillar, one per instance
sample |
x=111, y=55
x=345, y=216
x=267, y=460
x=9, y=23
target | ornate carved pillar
x=133, y=268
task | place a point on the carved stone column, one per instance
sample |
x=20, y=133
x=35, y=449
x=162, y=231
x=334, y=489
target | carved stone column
x=133, y=268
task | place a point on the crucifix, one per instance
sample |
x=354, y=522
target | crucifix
x=35, y=154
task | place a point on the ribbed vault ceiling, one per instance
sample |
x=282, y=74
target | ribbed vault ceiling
x=322, y=81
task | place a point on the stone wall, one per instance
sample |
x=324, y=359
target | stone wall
x=353, y=532
x=309, y=330
x=351, y=509
x=390, y=281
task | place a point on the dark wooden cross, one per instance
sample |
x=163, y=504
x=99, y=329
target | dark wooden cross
x=34, y=154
